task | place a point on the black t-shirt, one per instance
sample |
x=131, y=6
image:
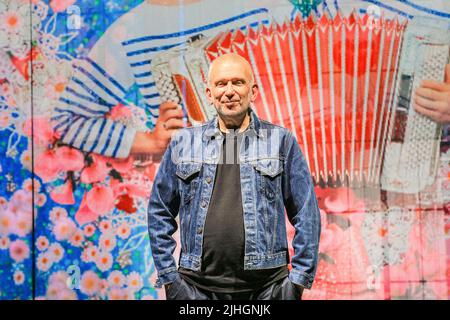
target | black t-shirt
x=224, y=236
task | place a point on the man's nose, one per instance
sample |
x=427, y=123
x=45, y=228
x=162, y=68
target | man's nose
x=230, y=90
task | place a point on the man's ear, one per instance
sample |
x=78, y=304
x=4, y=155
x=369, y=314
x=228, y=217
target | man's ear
x=255, y=92
x=209, y=95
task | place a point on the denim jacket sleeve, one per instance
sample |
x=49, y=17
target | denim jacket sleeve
x=303, y=213
x=163, y=208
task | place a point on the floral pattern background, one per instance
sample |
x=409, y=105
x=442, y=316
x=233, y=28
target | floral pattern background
x=89, y=237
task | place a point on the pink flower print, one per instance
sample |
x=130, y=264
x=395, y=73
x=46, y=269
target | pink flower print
x=116, y=279
x=64, y=228
x=19, y=277
x=89, y=230
x=63, y=194
x=105, y=226
x=19, y=251
x=131, y=190
x=69, y=159
x=120, y=112
x=57, y=213
x=84, y=256
x=4, y=243
x=58, y=287
x=41, y=129
x=90, y=254
x=134, y=281
x=66, y=294
x=96, y=172
x=123, y=231
x=114, y=183
x=27, y=185
x=12, y=21
x=107, y=242
x=25, y=159
x=77, y=238
x=104, y=261
x=46, y=166
x=59, y=276
x=61, y=5
x=340, y=200
x=3, y=203
x=42, y=243
x=23, y=225
x=57, y=282
x=54, y=87
x=41, y=198
x=20, y=202
x=100, y=199
x=84, y=214
x=122, y=165
x=7, y=222
x=117, y=294
x=90, y=283
x=56, y=252
x=22, y=210
x=104, y=287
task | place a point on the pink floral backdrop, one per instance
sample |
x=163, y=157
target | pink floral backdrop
x=73, y=224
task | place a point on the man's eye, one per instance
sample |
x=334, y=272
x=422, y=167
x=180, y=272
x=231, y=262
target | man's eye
x=239, y=82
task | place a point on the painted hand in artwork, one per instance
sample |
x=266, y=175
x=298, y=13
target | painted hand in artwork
x=432, y=99
x=155, y=143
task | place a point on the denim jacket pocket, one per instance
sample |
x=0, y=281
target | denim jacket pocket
x=270, y=169
x=186, y=170
x=269, y=166
x=188, y=173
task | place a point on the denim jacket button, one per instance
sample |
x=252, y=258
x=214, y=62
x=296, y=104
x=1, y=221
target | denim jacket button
x=208, y=180
x=204, y=204
x=200, y=230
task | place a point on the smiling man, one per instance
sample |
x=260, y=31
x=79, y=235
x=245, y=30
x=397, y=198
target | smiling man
x=231, y=90
x=230, y=181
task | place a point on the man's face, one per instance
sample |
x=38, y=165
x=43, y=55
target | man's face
x=231, y=88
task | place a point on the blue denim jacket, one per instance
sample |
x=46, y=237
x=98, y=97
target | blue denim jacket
x=274, y=177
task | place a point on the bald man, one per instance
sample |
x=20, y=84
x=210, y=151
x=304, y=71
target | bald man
x=230, y=180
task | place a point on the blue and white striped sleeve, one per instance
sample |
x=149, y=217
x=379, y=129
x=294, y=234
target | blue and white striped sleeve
x=98, y=83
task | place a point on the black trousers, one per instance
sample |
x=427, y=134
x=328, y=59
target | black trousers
x=283, y=289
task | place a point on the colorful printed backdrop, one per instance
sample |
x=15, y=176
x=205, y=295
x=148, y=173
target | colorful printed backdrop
x=73, y=223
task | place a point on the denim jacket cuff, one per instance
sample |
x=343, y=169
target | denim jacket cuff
x=166, y=276
x=301, y=278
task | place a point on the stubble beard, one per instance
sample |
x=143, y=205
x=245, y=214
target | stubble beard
x=233, y=120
